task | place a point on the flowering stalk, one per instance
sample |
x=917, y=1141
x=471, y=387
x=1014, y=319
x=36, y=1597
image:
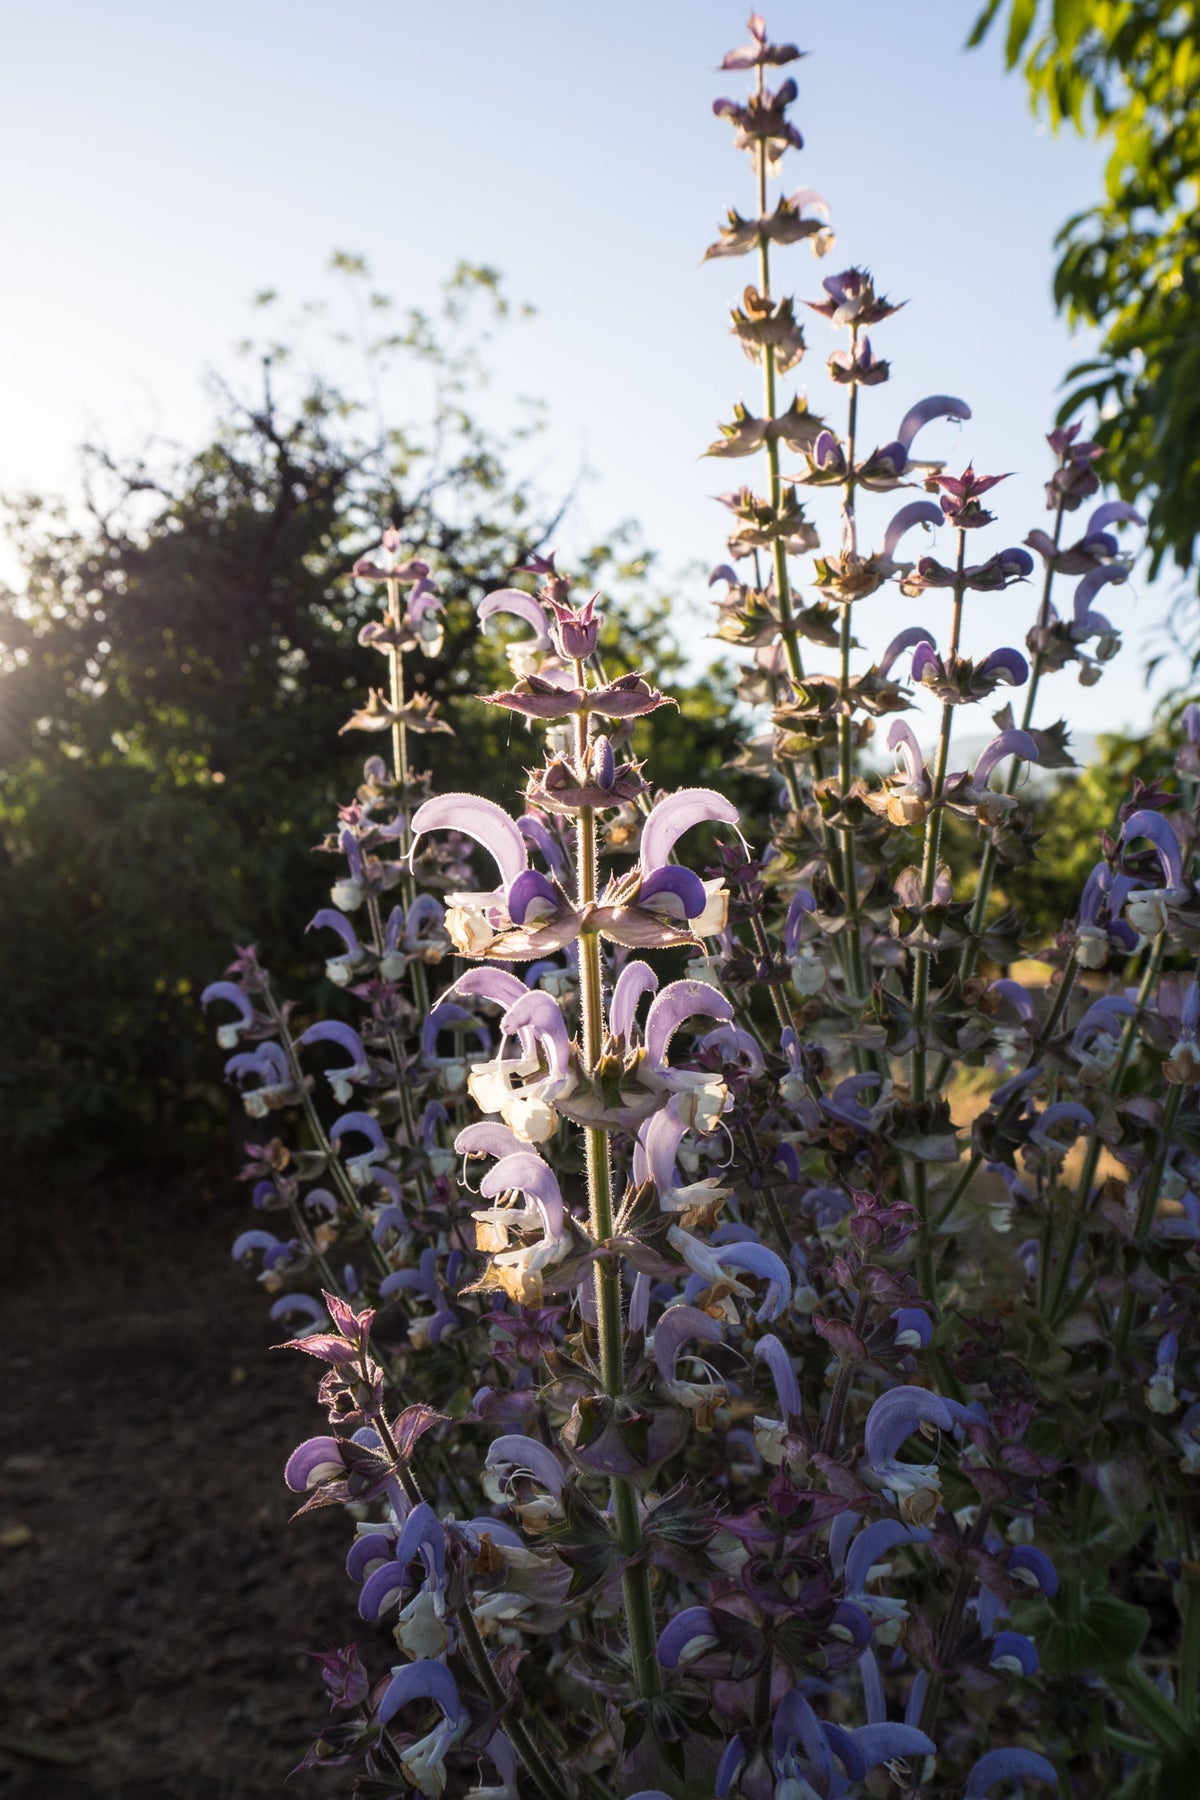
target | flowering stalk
x=783, y=587
x=610, y=1328
x=921, y=956
x=1057, y=1297
x=731, y=1364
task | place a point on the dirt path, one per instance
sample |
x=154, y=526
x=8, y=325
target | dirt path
x=156, y=1603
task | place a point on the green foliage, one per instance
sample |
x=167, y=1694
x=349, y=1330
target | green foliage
x=1129, y=72
x=172, y=682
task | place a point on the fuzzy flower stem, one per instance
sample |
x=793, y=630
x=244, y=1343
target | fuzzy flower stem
x=1092, y=1154
x=400, y=774
x=1145, y=1215
x=396, y=681
x=922, y=958
x=1129, y=1298
x=393, y=1043
x=783, y=588
x=951, y=1625
x=832, y=1430
x=970, y=1168
x=1065, y=989
x=338, y=1174
x=987, y=866
x=474, y=1647
x=857, y=966
x=762, y=1686
x=636, y=1579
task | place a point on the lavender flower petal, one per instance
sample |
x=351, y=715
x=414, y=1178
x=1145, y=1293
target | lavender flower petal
x=521, y=606
x=421, y=1681
x=917, y=512
x=768, y=1349
x=1090, y=586
x=1113, y=512
x=480, y=819
x=313, y=1461
x=937, y=406
x=872, y=1543
x=527, y=1174
x=677, y=814
x=528, y=1456
x=678, y=1001
x=1007, y=1765
x=686, y=887
x=1008, y=663
x=677, y=1326
x=901, y=739
x=693, y=1626
x=1153, y=826
x=1014, y=1646
x=884, y=1743
x=1009, y=743
x=636, y=978
x=896, y=1415
x=908, y=638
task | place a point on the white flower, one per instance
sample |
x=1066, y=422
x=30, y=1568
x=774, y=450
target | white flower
x=420, y=1627
x=468, y=924
x=423, y=1762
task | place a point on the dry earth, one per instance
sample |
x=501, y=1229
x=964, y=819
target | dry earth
x=155, y=1601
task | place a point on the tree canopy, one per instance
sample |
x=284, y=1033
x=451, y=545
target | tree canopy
x=1129, y=72
x=173, y=677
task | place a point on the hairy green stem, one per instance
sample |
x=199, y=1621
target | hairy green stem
x=987, y=866
x=635, y=1579
x=922, y=957
x=1145, y=1216
x=320, y=1139
x=832, y=1430
x=1091, y=1157
x=400, y=774
x=951, y=1625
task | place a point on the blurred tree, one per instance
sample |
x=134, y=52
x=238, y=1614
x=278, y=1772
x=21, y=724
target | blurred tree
x=1129, y=72
x=172, y=680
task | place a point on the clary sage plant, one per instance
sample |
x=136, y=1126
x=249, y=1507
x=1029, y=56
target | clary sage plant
x=758, y=1320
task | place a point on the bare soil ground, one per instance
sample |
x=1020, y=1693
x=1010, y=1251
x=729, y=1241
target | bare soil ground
x=155, y=1601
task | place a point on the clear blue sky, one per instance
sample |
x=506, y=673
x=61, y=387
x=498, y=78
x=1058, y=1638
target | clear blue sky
x=160, y=164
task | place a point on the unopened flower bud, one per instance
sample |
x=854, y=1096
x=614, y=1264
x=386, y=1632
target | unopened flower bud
x=603, y=765
x=575, y=631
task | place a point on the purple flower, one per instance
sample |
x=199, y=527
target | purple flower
x=1007, y=1765
x=316, y=1460
x=761, y=120
x=575, y=631
x=525, y=656
x=960, y=498
x=852, y=300
x=688, y=1635
x=331, y=1031
x=422, y=1763
x=886, y=467
x=228, y=1035
x=758, y=53
x=1014, y=1653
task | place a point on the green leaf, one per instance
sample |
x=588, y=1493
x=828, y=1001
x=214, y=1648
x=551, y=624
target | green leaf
x=1019, y=27
x=1069, y=18
x=983, y=23
x=1090, y=1633
x=1178, y=1775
